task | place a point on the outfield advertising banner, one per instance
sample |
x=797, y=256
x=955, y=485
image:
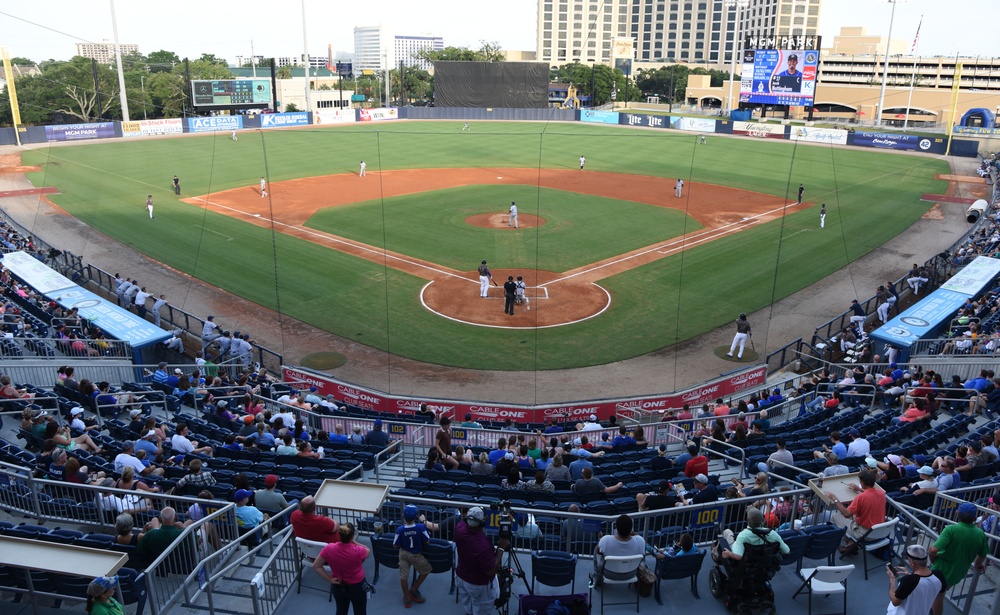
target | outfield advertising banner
x=976, y=130
x=599, y=117
x=892, y=141
x=212, y=124
x=146, y=128
x=694, y=124
x=761, y=131
x=378, y=115
x=371, y=399
x=78, y=132
x=336, y=116
x=641, y=119
x=818, y=135
x=281, y=120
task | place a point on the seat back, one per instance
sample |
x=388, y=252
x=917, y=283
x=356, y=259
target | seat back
x=759, y=563
x=880, y=531
x=310, y=549
x=440, y=555
x=797, y=547
x=621, y=568
x=832, y=574
x=824, y=543
x=680, y=566
x=384, y=552
x=553, y=568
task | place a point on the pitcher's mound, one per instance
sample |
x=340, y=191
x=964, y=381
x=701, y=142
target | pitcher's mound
x=500, y=221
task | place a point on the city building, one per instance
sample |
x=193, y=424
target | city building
x=855, y=41
x=378, y=47
x=688, y=31
x=104, y=52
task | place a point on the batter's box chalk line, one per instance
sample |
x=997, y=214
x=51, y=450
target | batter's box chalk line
x=537, y=292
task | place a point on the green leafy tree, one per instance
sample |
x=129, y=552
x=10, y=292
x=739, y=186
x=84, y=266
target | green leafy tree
x=291, y=107
x=22, y=61
x=284, y=72
x=487, y=52
x=66, y=88
x=168, y=93
x=162, y=61
x=211, y=58
x=203, y=68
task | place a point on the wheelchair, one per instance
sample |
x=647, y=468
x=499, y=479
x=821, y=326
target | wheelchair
x=745, y=585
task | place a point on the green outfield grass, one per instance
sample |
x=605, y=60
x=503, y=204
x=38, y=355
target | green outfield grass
x=871, y=196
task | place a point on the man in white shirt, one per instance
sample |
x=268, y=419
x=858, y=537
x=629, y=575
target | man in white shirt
x=127, y=459
x=183, y=446
x=591, y=424
x=859, y=447
x=287, y=419
x=140, y=301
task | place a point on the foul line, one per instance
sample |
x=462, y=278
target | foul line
x=228, y=238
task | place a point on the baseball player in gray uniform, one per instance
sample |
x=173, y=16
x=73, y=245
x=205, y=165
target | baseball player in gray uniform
x=512, y=220
x=678, y=188
x=484, y=279
x=519, y=295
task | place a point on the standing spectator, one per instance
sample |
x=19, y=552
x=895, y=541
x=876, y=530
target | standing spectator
x=310, y=526
x=411, y=538
x=478, y=563
x=347, y=574
x=959, y=545
x=917, y=591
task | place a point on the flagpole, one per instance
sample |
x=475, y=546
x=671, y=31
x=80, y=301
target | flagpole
x=913, y=76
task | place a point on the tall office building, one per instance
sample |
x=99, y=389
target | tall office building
x=378, y=46
x=104, y=52
x=691, y=31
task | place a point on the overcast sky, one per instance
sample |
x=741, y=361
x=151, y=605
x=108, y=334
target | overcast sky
x=190, y=28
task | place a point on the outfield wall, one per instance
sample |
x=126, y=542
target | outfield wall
x=702, y=126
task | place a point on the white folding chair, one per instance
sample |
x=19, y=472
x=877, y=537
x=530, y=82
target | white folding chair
x=879, y=537
x=309, y=551
x=619, y=570
x=825, y=580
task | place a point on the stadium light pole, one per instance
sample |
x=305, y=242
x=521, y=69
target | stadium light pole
x=739, y=4
x=885, y=71
x=305, y=51
x=118, y=60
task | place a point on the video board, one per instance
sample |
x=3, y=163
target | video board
x=227, y=92
x=776, y=74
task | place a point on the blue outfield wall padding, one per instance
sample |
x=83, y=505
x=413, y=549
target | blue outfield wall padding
x=8, y=136
x=470, y=114
x=964, y=147
x=724, y=127
x=34, y=134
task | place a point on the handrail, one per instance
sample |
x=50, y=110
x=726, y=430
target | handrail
x=741, y=459
x=281, y=576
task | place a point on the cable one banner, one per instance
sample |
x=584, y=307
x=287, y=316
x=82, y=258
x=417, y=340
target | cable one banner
x=372, y=399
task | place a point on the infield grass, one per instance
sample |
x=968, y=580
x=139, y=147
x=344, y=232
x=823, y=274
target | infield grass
x=871, y=196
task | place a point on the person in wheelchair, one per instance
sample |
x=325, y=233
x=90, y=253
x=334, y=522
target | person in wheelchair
x=743, y=572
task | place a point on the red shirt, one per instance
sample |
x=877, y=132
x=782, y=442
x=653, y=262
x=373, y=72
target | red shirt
x=869, y=508
x=695, y=466
x=314, y=527
x=475, y=555
x=345, y=560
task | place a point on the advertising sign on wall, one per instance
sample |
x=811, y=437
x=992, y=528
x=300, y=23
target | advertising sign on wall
x=211, y=124
x=761, y=131
x=818, y=135
x=892, y=141
x=371, y=399
x=377, y=115
x=145, y=128
x=77, y=132
x=280, y=120
x=599, y=117
x=695, y=124
x=641, y=119
x=334, y=116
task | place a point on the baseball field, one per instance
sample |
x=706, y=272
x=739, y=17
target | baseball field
x=616, y=265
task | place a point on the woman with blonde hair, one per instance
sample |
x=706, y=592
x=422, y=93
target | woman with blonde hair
x=346, y=560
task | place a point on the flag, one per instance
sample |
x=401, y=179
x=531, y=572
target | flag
x=916, y=38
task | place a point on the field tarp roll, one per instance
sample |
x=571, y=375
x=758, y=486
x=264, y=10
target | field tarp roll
x=522, y=85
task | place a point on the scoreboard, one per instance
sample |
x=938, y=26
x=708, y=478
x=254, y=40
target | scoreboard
x=780, y=72
x=228, y=92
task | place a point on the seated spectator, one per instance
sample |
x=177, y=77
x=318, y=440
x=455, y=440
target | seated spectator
x=198, y=476
x=111, y=502
x=623, y=542
x=756, y=533
x=557, y=471
x=681, y=460
x=866, y=510
x=513, y=481
x=836, y=446
x=912, y=414
x=554, y=426
x=524, y=460
x=835, y=468
x=623, y=438
x=588, y=484
x=287, y=446
x=160, y=533
x=639, y=434
x=434, y=461
x=305, y=450
x=698, y=464
x=661, y=499
x=978, y=456
x=661, y=461
x=9, y=391
x=356, y=437
x=704, y=492
x=127, y=459
x=64, y=439
x=247, y=515
x=124, y=524
x=572, y=530
x=338, y=437
x=926, y=484
x=540, y=483
x=149, y=443
x=310, y=526
x=377, y=437
x=80, y=475
x=269, y=498
x=264, y=438
x=182, y=445
x=759, y=487
x=482, y=466
x=128, y=482
x=77, y=422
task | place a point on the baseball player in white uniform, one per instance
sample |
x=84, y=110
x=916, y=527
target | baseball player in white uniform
x=484, y=279
x=149, y=206
x=583, y=161
x=512, y=220
x=742, y=332
x=519, y=296
x=263, y=187
x=822, y=215
x=234, y=135
x=678, y=188
x=363, y=167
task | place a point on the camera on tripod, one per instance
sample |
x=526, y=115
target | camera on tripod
x=505, y=519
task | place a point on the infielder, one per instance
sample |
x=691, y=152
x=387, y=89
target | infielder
x=583, y=161
x=466, y=127
x=702, y=140
x=520, y=297
x=822, y=215
x=512, y=220
x=234, y=135
x=263, y=187
x=363, y=167
x=742, y=332
x=801, y=190
x=678, y=188
x=149, y=206
x=484, y=279
x=177, y=185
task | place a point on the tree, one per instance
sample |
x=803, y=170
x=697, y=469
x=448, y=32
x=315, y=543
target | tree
x=162, y=61
x=291, y=107
x=212, y=59
x=284, y=72
x=66, y=88
x=203, y=68
x=22, y=61
x=487, y=52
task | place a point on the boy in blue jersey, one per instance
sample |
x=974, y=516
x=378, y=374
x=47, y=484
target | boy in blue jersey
x=411, y=538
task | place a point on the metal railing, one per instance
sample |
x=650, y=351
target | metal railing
x=277, y=576
x=58, y=349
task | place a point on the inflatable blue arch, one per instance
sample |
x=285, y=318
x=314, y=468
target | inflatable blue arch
x=980, y=117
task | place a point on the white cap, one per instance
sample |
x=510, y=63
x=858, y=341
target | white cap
x=76, y=411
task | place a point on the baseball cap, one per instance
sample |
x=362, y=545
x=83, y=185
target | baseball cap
x=916, y=552
x=926, y=471
x=475, y=516
x=106, y=582
x=313, y=389
x=38, y=413
x=378, y=422
x=921, y=459
x=128, y=444
x=577, y=442
x=967, y=508
x=509, y=456
x=76, y=411
x=222, y=403
x=593, y=418
x=663, y=449
x=248, y=419
x=149, y=434
x=270, y=481
x=410, y=512
x=831, y=457
x=177, y=370
x=701, y=478
x=135, y=413
x=242, y=494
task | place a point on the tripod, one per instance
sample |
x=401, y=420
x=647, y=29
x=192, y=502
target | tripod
x=505, y=577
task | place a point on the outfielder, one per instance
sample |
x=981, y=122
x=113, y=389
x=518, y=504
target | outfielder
x=484, y=279
x=742, y=332
x=466, y=127
x=234, y=135
x=801, y=190
x=263, y=187
x=678, y=188
x=363, y=167
x=177, y=185
x=702, y=140
x=583, y=161
x=149, y=206
x=519, y=296
x=512, y=220
x=822, y=215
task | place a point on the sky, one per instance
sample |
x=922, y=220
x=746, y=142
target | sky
x=190, y=28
